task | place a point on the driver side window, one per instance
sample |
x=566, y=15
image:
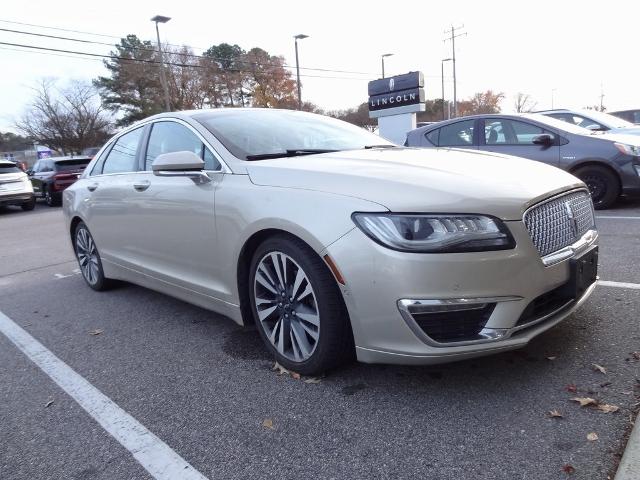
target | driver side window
x=169, y=137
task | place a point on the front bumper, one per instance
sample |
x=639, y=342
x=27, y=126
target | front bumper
x=378, y=279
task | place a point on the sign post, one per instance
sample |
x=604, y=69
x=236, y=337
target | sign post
x=394, y=101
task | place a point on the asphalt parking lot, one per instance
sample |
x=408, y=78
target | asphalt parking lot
x=205, y=387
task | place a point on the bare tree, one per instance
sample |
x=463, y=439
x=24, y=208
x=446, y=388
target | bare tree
x=67, y=119
x=524, y=103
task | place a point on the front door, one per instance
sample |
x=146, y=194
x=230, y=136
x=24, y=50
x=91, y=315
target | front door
x=171, y=220
x=515, y=137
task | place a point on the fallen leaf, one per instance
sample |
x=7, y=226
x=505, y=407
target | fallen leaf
x=568, y=469
x=599, y=368
x=48, y=404
x=554, y=414
x=97, y=331
x=603, y=407
x=592, y=437
x=312, y=380
x=605, y=384
x=584, y=401
x=283, y=371
x=635, y=355
x=551, y=358
x=268, y=423
x=572, y=388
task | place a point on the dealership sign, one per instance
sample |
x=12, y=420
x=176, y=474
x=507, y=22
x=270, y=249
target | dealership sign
x=399, y=91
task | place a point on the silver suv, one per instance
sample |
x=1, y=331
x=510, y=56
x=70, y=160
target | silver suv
x=15, y=187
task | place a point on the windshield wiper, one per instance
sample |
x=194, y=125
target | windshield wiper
x=290, y=153
x=380, y=146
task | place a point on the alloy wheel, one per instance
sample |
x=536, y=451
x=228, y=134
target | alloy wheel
x=87, y=256
x=597, y=187
x=286, y=306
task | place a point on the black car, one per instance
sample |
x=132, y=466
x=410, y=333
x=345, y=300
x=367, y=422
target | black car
x=50, y=176
x=608, y=163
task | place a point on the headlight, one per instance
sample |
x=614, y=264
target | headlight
x=632, y=150
x=428, y=233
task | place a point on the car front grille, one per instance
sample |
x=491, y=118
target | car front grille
x=560, y=221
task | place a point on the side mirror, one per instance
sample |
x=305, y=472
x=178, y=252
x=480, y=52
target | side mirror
x=180, y=164
x=29, y=172
x=543, y=139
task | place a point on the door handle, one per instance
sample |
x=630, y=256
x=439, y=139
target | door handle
x=141, y=186
x=92, y=187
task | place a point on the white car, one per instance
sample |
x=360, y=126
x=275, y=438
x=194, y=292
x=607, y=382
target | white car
x=334, y=242
x=15, y=187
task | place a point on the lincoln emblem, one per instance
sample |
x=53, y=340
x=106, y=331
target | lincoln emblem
x=572, y=218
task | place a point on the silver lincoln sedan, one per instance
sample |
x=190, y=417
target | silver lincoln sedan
x=334, y=242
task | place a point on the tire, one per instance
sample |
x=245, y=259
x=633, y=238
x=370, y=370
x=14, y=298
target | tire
x=89, y=259
x=603, y=185
x=48, y=197
x=310, y=344
x=30, y=205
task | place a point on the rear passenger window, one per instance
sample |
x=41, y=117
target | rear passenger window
x=459, y=134
x=169, y=137
x=122, y=157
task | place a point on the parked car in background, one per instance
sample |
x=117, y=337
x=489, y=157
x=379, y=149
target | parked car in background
x=90, y=151
x=15, y=187
x=50, y=176
x=592, y=120
x=334, y=242
x=608, y=163
x=632, y=116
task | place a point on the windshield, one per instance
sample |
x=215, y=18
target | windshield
x=8, y=168
x=67, y=165
x=248, y=133
x=559, y=124
x=608, y=120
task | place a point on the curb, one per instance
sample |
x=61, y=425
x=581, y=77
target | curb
x=629, y=468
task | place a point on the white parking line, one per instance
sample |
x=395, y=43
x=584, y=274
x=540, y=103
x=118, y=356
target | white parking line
x=152, y=453
x=617, y=217
x=606, y=283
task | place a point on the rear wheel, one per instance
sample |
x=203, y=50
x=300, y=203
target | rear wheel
x=89, y=259
x=298, y=308
x=48, y=197
x=602, y=183
x=30, y=205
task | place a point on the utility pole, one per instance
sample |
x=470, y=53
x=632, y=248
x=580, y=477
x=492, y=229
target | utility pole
x=601, y=97
x=452, y=37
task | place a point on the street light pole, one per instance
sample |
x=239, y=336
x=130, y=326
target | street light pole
x=300, y=36
x=383, y=57
x=442, y=77
x=163, y=79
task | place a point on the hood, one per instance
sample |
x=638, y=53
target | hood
x=421, y=180
x=630, y=136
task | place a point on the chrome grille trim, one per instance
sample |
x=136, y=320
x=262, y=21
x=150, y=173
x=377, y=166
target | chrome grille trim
x=560, y=221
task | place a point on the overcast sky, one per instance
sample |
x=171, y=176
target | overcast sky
x=570, y=48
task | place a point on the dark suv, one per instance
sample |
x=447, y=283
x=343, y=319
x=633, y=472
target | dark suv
x=50, y=176
x=608, y=163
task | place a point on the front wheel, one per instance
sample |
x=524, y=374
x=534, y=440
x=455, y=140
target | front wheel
x=602, y=183
x=298, y=308
x=89, y=259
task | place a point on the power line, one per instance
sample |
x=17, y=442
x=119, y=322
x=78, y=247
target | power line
x=22, y=32
x=139, y=60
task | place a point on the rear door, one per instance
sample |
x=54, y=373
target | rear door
x=109, y=187
x=515, y=137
